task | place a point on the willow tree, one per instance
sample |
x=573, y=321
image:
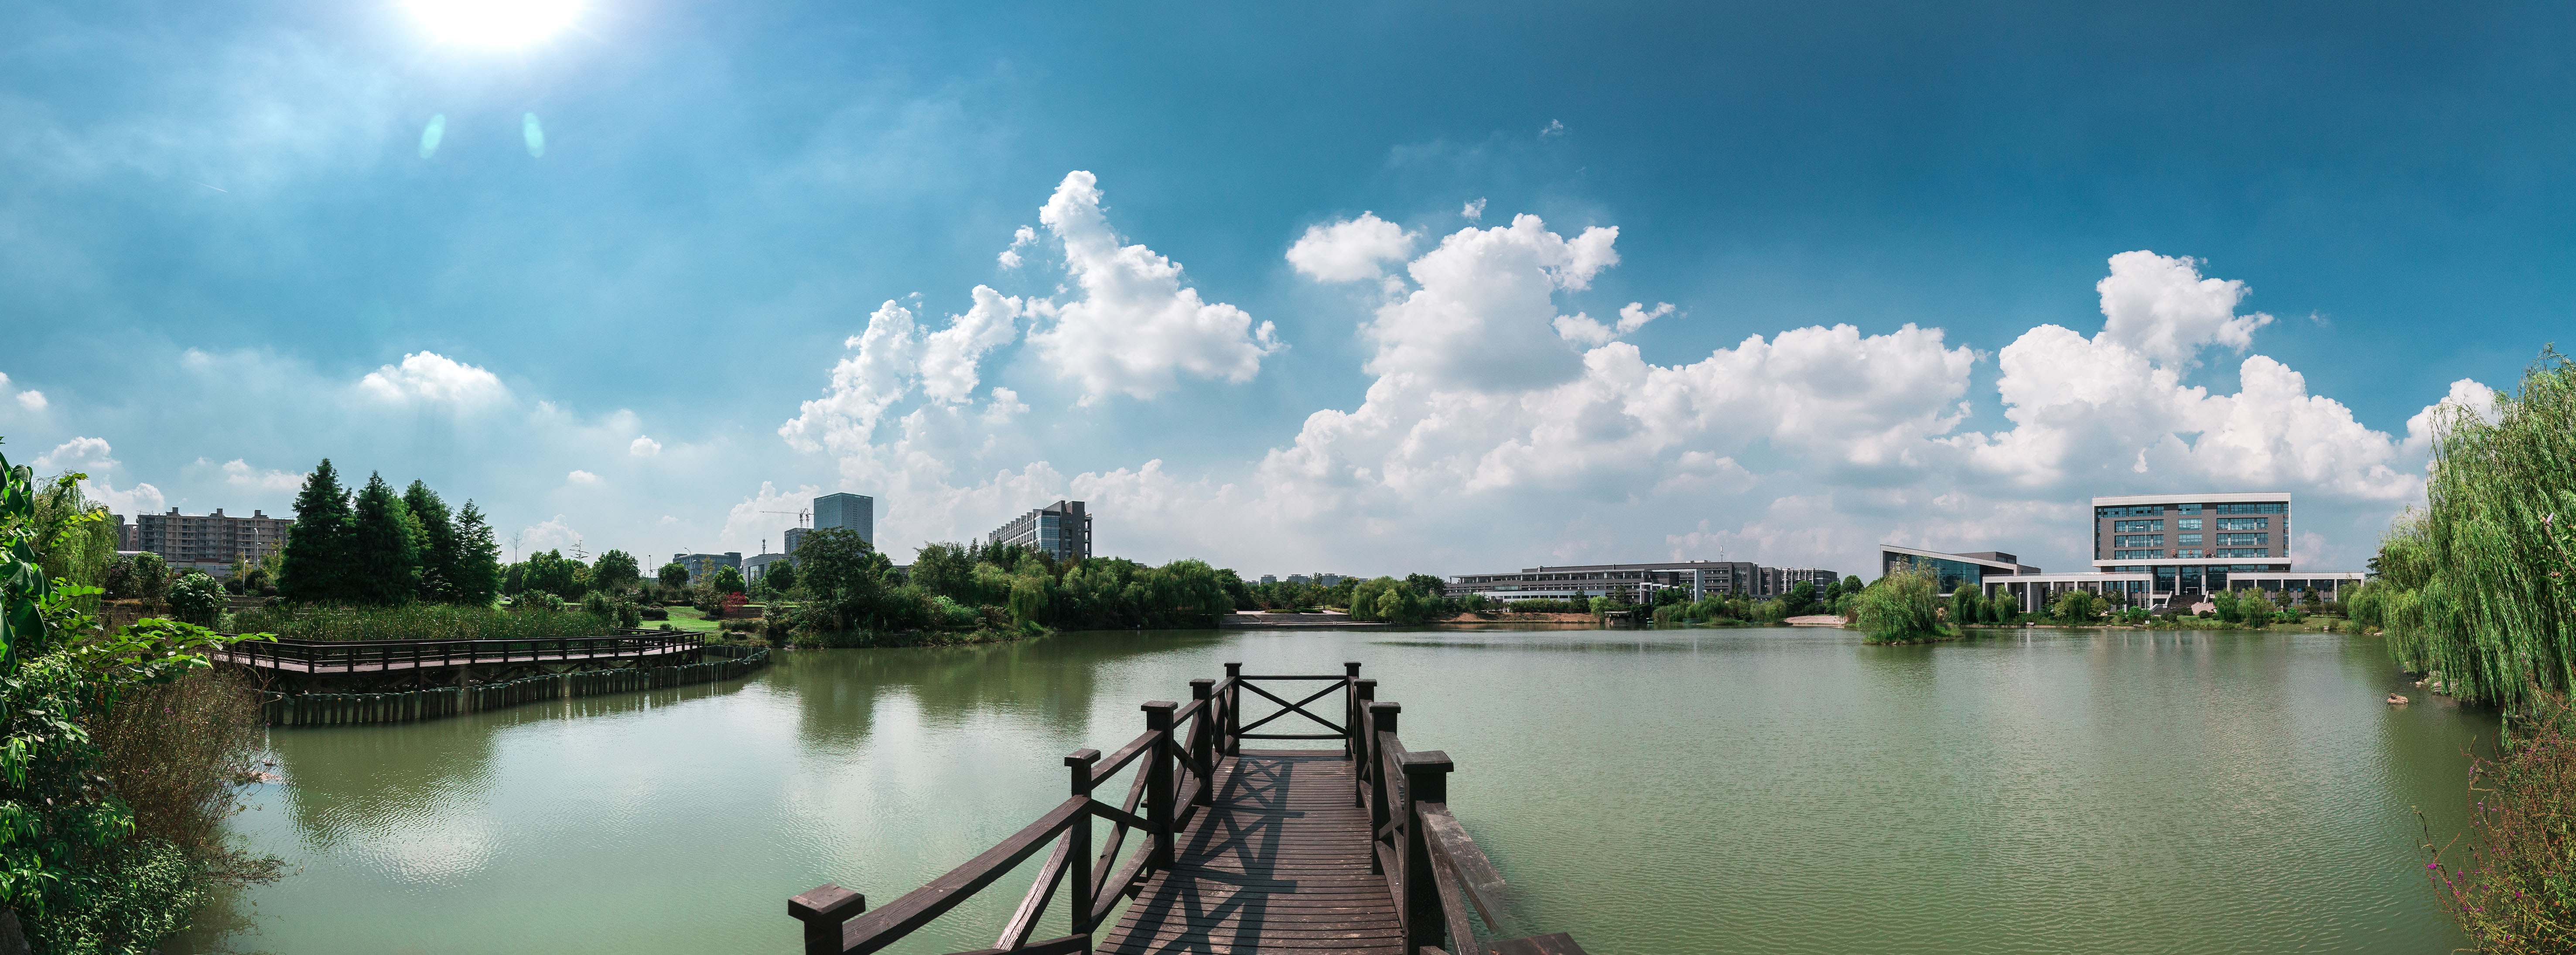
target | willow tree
x=2497, y=563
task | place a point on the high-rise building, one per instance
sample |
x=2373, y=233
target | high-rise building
x=857, y=512
x=795, y=536
x=211, y=541
x=1062, y=529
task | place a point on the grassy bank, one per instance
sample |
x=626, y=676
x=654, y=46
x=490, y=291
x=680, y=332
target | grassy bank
x=424, y=622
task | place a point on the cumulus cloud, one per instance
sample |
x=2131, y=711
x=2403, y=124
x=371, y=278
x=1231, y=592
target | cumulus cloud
x=2467, y=397
x=1584, y=329
x=1350, y=250
x=644, y=446
x=238, y=473
x=892, y=356
x=582, y=477
x=1484, y=310
x=2162, y=309
x=431, y=378
x=1134, y=328
x=93, y=456
x=759, y=523
x=1474, y=211
x=1025, y=237
x=30, y=399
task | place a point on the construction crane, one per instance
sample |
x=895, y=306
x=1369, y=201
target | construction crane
x=802, y=516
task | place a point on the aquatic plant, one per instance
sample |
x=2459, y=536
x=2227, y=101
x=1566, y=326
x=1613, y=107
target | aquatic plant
x=424, y=622
x=2514, y=889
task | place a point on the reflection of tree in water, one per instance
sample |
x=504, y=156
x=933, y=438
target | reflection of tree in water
x=1047, y=681
x=346, y=780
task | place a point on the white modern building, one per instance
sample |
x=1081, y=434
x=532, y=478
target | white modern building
x=2155, y=550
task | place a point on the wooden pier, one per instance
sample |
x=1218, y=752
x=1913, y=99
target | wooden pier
x=388, y=657
x=1348, y=851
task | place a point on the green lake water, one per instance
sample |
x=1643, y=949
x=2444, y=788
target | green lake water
x=1771, y=790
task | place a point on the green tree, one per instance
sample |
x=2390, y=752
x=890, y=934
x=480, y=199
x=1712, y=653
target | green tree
x=478, y=559
x=780, y=576
x=1801, y=597
x=616, y=572
x=673, y=575
x=384, y=549
x=727, y=580
x=1965, y=605
x=1852, y=584
x=2074, y=606
x=1899, y=607
x=314, y=564
x=551, y=572
x=151, y=578
x=441, y=551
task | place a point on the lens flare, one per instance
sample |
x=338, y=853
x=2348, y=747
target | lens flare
x=431, y=134
x=495, y=22
x=536, y=136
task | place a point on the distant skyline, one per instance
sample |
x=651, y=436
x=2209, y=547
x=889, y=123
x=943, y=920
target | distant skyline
x=1434, y=288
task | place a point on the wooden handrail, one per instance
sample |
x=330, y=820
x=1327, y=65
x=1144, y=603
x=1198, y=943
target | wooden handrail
x=1434, y=871
x=346, y=656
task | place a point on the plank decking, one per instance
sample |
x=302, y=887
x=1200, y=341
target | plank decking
x=1278, y=864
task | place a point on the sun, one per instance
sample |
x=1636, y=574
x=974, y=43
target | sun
x=495, y=22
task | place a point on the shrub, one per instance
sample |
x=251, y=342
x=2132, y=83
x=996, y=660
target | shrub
x=2515, y=889
x=177, y=752
x=198, y=599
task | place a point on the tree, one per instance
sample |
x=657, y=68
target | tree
x=1801, y=597
x=673, y=575
x=2074, y=606
x=551, y=572
x=727, y=580
x=441, y=553
x=478, y=559
x=1852, y=584
x=314, y=565
x=1899, y=607
x=616, y=572
x=197, y=599
x=151, y=578
x=384, y=564
x=1427, y=586
x=1965, y=605
x=780, y=576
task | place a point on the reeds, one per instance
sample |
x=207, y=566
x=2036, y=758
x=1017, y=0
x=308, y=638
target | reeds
x=421, y=622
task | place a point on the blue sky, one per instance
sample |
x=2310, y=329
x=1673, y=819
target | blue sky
x=227, y=252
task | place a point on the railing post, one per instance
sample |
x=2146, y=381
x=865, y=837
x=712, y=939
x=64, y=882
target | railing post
x=1365, y=693
x=1203, y=742
x=1350, y=706
x=1381, y=790
x=1158, y=781
x=823, y=908
x=1077, y=862
x=1234, y=709
x=1426, y=779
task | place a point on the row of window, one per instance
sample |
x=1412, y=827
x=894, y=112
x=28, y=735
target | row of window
x=2274, y=507
x=2137, y=555
x=2240, y=552
x=2143, y=510
x=2243, y=540
x=2244, y=523
x=2158, y=510
x=2136, y=527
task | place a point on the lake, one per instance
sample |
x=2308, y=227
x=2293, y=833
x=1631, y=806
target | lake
x=1695, y=790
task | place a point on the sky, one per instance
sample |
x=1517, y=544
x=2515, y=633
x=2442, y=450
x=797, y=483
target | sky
x=1358, y=288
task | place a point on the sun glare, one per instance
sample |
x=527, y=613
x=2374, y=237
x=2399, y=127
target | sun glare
x=495, y=22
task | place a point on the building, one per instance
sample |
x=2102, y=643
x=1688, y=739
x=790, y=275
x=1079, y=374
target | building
x=2154, y=550
x=1638, y=582
x=753, y=568
x=210, y=543
x=1062, y=529
x=1267, y=579
x=701, y=565
x=857, y=512
x=795, y=536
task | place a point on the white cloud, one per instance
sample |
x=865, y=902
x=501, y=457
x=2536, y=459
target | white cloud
x=93, y=457
x=950, y=355
x=1134, y=329
x=582, y=477
x=1474, y=211
x=644, y=446
x=1350, y=250
x=2467, y=397
x=1584, y=329
x=1484, y=311
x=1553, y=128
x=554, y=533
x=1004, y=405
x=1010, y=257
x=432, y=378
x=31, y=400
x=240, y=474
x=668, y=520
x=2161, y=308
x=761, y=520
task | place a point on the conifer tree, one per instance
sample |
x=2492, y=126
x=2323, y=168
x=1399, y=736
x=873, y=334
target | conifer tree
x=478, y=559
x=315, y=561
x=384, y=565
x=438, y=554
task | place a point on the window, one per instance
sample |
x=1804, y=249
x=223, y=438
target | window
x=2137, y=555
x=2238, y=552
x=2187, y=508
x=2144, y=510
x=2272, y=507
x=2139, y=540
x=2187, y=524
x=2243, y=540
x=2136, y=527
x=2186, y=538
x=2190, y=552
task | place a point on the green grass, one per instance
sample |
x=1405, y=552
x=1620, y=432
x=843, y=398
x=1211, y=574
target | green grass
x=419, y=622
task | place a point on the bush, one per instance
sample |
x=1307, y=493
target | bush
x=198, y=599
x=2515, y=891
x=177, y=753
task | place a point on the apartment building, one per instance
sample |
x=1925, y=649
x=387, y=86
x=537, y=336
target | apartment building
x=207, y=542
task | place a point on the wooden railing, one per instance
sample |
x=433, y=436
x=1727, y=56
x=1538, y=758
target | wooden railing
x=1175, y=764
x=349, y=656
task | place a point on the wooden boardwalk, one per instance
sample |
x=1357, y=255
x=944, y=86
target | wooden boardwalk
x=1278, y=863
x=1348, y=851
x=366, y=657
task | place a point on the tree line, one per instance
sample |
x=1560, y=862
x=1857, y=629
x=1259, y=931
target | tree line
x=377, y=547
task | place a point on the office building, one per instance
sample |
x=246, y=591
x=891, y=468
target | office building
x=209, y=543
x=753, y=568
x=795, y=536
x=1062, y=529
x=857, y=512
x=1638, y=582
x=702, y=565
x=2154, y=550
x=1267, y=579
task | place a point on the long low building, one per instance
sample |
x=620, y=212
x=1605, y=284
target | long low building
x=1638, y=582
x=2154, y=550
